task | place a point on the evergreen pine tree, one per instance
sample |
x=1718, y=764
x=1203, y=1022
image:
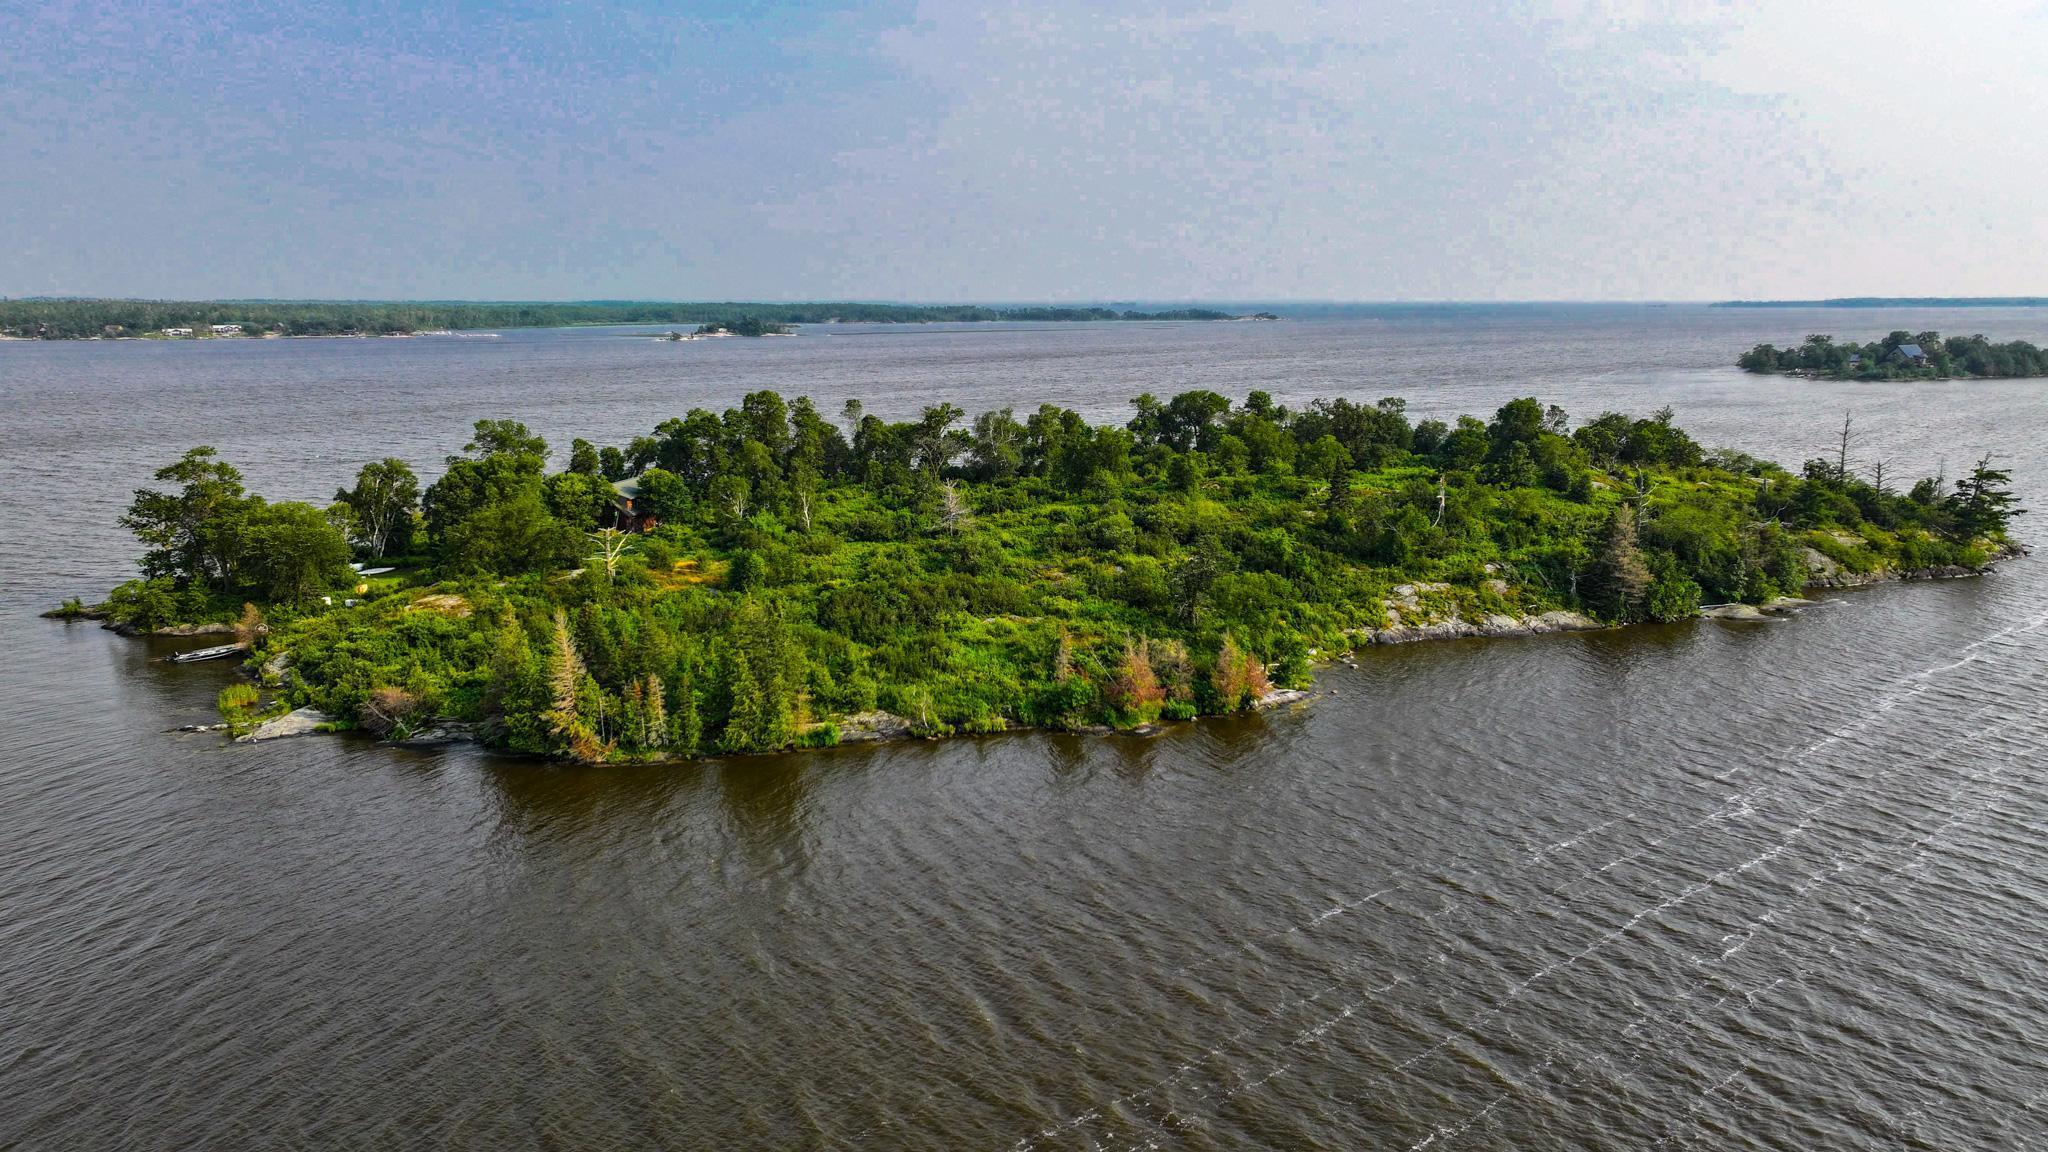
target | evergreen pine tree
x=1619, y=579
x=686, y=723
x=1983, y=504
x=744, y=723
x=633, y=714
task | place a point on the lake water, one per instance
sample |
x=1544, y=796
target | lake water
x=1724, y=885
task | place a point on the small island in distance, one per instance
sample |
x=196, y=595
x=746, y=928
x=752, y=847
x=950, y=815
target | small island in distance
x=1900, y=356
x=48, y=318
x=745, y=326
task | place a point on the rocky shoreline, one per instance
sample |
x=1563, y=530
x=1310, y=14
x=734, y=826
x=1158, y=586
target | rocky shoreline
x=1408, y=619
x=1828, y=574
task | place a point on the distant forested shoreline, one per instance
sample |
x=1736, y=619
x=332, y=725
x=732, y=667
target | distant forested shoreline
x=86, y=319
x=1895, y=302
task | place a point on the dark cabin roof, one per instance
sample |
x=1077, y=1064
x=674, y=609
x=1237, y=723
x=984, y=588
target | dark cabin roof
x=1912, y=352
x=628, y=488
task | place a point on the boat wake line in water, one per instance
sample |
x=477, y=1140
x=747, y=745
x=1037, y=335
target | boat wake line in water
x=1879, y=865
x=1895, y=860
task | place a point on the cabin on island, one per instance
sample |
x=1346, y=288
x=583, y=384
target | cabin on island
x=1911, y=354
x=177, y=331
x=227, y=329
x=627, y=515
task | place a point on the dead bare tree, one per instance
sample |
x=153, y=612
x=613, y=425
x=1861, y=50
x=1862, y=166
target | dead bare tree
x=611, y=545
x=1842, y=454
x=954, y=514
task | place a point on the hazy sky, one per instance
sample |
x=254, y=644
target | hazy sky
x=1062, y=151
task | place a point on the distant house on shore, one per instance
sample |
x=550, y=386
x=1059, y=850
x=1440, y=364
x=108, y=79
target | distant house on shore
x=227, y=329
x=1911, y=354
x=627, y=515
x=177, y=331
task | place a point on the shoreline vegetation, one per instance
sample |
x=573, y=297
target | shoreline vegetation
x=106, y=319
x=1900, y=356
x=765, y=578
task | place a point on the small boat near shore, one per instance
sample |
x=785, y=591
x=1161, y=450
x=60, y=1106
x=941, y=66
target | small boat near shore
x=217, y=652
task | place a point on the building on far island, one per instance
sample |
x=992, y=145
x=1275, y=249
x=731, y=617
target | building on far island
x=227, y=329
x=1911, y=354
x=177, y=331
x=627, y=515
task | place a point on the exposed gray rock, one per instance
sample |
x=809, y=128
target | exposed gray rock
x=1493, y=625
x=1407, y=598
x=863, y=727
x=216, y=628
x=299, y=722
x=1733, y=612
x=1820, y=563
x=1842, y=578
x=1562, y=621
x=439, y=733
x=1864, y=579
x=1279, y=696
x=1827, y=574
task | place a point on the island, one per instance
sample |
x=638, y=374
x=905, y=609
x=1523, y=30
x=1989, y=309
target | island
x=765, y=578
x=1900, y=356
x=67, y=318
x=744, y=326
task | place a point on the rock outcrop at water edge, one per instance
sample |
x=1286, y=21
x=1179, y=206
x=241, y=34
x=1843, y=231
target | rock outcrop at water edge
x=1409, y=619
x=1828, y=574
x=866, y=727
x=298, y=722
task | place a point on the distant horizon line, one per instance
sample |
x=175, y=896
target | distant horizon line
x=1080, y=302
x=1233, y=304
x=905, y=302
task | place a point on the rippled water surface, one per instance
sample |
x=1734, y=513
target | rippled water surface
x=1722, y=885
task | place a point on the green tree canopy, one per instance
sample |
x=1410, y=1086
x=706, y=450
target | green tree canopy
x=382, y=506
